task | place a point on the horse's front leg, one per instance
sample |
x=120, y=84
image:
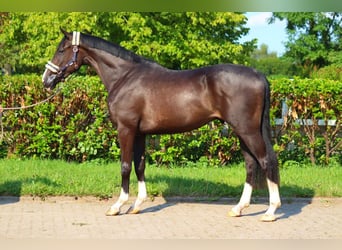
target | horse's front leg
x=245, y=199
x=126, y=138
x=139, y=166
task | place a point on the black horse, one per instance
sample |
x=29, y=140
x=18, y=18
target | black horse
x=146, y=98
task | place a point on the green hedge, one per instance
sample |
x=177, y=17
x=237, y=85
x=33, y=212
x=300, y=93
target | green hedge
x=74, y=125
x=313, y=103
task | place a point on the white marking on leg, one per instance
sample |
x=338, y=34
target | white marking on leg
x=115, y=208
x=274, y=196
x=244, y=200
x=122, y=199
x=142, y=195
x=275, y=202
x=43, y=77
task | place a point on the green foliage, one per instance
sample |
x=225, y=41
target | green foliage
x=314, y=38
x=176, y=40
x=74, y=125
x=309, y=100
x=188, y=39
x=212, y=144
x=270, y=64
x=333, y=72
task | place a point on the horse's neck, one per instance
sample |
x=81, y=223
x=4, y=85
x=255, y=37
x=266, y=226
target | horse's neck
x=109, y=67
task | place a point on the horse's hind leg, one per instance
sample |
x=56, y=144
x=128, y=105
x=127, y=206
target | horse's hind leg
x=139, y=166
x=275, y=202
x=256, y=146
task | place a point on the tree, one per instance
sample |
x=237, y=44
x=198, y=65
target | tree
x=175, y=40
x=314, y=38
x=270, y=64
x=5, y=55
x=263, y=52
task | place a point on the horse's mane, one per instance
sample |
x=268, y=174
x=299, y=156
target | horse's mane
x=114, y=49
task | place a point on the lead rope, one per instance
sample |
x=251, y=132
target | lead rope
x=2, y=110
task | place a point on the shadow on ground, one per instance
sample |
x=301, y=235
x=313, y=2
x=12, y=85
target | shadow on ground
x=294, y=198
x=197, y=191
x=10, y=191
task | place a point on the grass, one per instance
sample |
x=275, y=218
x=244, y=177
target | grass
x=46, y=177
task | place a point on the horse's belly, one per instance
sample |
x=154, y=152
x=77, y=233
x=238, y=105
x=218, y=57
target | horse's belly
x=175, y=122
x=177, y=111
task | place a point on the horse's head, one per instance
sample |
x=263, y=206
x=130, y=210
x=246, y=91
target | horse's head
x=67, y=59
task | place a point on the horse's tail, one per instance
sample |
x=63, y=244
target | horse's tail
x=272, y=171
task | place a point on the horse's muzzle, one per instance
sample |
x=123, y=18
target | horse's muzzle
x=51, y=81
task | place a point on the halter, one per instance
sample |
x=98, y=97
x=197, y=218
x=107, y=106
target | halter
x=55, y=68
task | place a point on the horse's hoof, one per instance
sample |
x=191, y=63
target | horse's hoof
x=112, y=212
x=132, y=210
x=231, y=213
x=268, y=218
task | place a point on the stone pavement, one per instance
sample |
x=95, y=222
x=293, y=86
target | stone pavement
x=170, y=218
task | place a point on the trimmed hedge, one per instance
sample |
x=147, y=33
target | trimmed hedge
x=312, y=103
x=75, y=126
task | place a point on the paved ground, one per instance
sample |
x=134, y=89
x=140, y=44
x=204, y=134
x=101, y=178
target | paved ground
x=68, y=218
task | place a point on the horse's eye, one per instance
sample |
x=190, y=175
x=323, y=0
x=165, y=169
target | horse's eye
x=61, y=51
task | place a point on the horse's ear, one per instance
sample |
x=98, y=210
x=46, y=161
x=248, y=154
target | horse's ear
x=66, y=34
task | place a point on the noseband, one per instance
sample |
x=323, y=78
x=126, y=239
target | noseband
x=60, y=71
